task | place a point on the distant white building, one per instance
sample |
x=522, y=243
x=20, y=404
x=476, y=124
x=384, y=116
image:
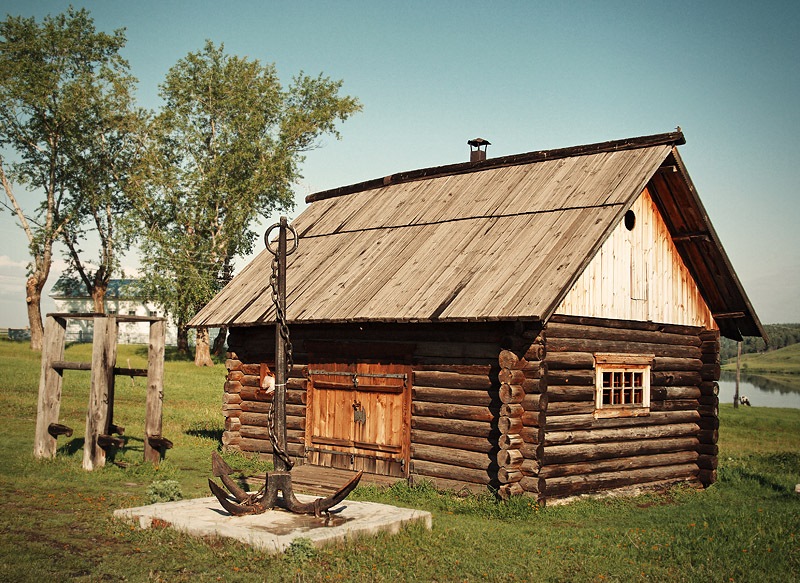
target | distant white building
x=71, y=297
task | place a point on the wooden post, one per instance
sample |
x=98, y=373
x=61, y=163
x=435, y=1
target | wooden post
x=279, y=402
x=104, y=356
x=50, y=381
x=738, y=374
x=155, y=390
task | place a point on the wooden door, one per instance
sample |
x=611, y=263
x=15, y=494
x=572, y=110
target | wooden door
x=358, y=417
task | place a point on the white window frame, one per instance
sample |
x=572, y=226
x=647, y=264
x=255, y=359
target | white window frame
x=630, y=366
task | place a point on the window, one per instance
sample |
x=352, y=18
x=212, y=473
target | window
x=153, y=313
x=622, y=385
x=131, y=312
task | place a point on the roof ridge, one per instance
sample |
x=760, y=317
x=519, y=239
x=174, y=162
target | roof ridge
x=675, y=138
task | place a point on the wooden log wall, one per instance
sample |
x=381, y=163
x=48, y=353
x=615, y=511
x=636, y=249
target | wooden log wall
x=246, y=409
x=575, y=453
x=454, y=433
x=455, y=402
x=523, y=394
x=512, y=411
x=709, y=407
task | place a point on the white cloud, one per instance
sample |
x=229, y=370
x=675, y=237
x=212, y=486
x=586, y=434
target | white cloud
x=6, y=261
x=12, y=285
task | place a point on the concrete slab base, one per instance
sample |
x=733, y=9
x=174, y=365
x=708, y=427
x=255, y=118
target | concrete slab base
x=275, y=530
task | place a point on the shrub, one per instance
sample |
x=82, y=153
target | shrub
x=164, y=491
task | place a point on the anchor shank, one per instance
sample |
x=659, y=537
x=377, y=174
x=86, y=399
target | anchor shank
x=279, y=398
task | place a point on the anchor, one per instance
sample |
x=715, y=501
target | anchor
x=235, y=500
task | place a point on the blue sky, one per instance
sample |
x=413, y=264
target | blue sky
x=524, y=75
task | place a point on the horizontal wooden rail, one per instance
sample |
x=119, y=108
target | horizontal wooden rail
x=130, y=372
x=119, y=317
x=68, y=365
x=124, y=372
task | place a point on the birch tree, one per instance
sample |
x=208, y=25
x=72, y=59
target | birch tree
x=53, y=77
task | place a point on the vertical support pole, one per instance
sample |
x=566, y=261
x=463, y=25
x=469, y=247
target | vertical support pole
x=155, y=390
x=738, y=374
x=104, y=356
x=279, y=398
x=50, y=382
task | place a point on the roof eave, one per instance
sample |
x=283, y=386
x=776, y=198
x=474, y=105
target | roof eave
x=731, y=324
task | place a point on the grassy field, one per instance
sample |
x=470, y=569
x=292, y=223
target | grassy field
x=56, y=523
x=783, y=361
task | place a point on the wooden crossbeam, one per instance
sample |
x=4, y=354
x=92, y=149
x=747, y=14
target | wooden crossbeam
x=728, y=315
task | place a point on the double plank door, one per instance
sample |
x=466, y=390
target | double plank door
x=358, y=417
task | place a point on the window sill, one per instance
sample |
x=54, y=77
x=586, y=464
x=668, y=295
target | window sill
x=615, y=412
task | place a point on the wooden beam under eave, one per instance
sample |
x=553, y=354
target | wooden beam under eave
x=728, y=315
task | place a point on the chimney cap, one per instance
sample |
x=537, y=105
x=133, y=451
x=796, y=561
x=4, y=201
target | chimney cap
x=478, y=142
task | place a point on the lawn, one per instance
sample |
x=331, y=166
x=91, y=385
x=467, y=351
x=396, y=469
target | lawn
x=56, y=523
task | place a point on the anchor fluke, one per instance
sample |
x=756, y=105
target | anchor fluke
x=233, y=507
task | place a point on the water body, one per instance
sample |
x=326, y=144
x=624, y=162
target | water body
x=773, y=391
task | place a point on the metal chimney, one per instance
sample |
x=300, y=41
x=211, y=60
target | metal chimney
x=477, y=149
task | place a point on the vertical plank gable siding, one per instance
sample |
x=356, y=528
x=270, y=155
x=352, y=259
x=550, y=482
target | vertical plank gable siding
x=576, y=453
x=639, y=275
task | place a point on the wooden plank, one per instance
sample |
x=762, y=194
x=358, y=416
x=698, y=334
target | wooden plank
x=155, y=389
x=415, y=254
x=50, y=382
x=104, y=355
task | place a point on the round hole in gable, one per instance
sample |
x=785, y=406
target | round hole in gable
x=630, y=220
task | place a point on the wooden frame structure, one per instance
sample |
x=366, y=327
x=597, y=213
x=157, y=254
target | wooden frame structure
x=100, y=413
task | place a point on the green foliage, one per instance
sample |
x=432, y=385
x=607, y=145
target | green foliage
x=226, y=149
x=164, y=491
x=67, y=133
x=300, y=550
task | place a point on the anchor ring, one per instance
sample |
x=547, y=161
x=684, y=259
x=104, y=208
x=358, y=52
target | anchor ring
x=289, y=251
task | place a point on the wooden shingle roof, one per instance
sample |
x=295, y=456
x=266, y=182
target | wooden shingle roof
x=500, y=239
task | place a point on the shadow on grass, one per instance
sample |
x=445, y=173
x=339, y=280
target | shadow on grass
x=214, y=434
x=130, y=444
x=71, y=447
x=761, y=469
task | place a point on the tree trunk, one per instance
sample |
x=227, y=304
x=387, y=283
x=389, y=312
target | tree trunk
x=183, y=340
x=33, y=297
x=219, y=342
x=99, y=298
x=202, y=349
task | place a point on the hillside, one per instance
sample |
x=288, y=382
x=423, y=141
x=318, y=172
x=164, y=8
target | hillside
x=780, y=336
x=782, y=361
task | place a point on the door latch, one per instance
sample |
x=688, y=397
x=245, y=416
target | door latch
x=359, y=414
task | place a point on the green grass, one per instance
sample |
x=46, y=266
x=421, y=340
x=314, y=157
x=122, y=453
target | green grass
x=56, y=524
x=783, y=361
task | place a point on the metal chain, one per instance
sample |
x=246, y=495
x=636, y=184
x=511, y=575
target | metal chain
x=280, y=317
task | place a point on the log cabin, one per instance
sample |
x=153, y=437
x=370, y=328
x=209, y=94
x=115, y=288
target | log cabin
x=545, y=323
